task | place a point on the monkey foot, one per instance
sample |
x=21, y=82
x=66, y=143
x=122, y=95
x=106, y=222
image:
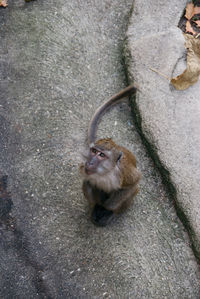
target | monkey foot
x=101, y=216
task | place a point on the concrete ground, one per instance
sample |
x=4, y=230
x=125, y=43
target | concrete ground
x=58, y=61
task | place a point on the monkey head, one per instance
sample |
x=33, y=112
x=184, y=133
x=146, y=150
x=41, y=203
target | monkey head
x=102, y=157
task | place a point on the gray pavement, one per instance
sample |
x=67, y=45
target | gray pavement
x=58, y=61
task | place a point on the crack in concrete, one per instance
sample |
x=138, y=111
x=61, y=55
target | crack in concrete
x=20, y=243
x=165, y=174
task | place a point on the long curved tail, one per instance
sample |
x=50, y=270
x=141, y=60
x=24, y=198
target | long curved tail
x=103, y=108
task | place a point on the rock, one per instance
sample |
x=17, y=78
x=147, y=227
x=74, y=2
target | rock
x=170, y=119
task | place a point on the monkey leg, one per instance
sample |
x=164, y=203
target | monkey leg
x=100, y=216
x=93, y=194
x=88, y=192
x=126, y=204
x=121, y=199
x=117, y=203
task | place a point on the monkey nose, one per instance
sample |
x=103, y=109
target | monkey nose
x=89, y=164
x=89, y=167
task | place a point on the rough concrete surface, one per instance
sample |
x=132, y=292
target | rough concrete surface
x=169, y=119
x=58, y=61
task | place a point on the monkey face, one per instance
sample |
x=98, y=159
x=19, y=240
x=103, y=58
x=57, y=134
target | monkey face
x=95, y=159
x=100, y=161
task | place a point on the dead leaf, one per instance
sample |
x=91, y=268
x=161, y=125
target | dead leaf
x=196, y=10
x=189, y=10
x=198, y=23
x=3, y=3
x=190, y=24
x=192, y=72
x=190, y=21
x=159, y=73
x=189, y=29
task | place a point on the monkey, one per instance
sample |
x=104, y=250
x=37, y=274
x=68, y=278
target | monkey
x=110, y=176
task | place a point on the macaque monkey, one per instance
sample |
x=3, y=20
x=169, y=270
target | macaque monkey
x=110, y=176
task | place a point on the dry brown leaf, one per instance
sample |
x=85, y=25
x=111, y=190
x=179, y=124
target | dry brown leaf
x=3, y=3
x=191, y=18
x=190, y=24
x=196, y=10
x=192, y=72
x=159, y=73
x=189, y=29
x=189, y=10
x=198, y=23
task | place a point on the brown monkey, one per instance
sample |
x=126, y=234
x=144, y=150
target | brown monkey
x=110, y=174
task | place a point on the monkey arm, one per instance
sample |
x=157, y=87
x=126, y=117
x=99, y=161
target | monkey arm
x=124, y=196
x=119, y=197
x=93, y=194
x=88, y=191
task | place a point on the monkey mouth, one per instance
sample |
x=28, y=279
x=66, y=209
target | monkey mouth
x=88, y=171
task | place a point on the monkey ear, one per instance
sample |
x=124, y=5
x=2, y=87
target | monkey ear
x=119, y=157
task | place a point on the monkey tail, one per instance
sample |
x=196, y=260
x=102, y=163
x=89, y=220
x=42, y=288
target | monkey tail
x=107, y=105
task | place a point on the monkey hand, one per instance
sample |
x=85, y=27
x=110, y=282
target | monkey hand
x=121, y=199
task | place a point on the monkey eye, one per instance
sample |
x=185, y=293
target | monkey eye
x=93, y=150
x=102, y=155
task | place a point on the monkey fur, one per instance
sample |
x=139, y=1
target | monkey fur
x=110, y=176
